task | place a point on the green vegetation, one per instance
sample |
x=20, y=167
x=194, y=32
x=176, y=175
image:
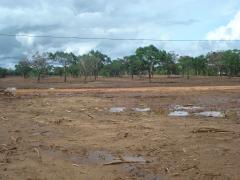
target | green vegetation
x=147, y=60
x=3, y=72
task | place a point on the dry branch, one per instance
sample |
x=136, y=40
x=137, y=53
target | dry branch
x=211, y=130
x=122, y=162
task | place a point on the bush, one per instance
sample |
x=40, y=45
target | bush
x=3, y=72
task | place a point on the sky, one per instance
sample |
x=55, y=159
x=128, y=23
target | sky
x=141, y=19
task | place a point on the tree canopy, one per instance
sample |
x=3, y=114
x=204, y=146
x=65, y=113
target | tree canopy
x=148, y=60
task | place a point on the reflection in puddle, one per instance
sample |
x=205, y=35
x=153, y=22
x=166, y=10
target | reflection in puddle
x=117, y=109
x=187, y=107
x=99, y=157
x=131, y=164
x=216, y=114
x=179, y=114
x=138, y=159
x=142, y=109
x=95, y=157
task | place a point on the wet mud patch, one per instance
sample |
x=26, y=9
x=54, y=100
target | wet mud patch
x=90, y=158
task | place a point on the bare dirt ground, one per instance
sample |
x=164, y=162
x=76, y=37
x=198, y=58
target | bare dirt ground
x=69, y=133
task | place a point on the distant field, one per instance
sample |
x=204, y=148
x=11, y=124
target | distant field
x=158, y=81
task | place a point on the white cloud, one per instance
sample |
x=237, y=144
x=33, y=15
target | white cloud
x=25, y=41
x=79, y=48
x=231, y=31
x=156, y=19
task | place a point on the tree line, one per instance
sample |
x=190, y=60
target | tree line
x=147, y=60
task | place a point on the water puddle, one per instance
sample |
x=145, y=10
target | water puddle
x=94, y=157
x=179, y=114
x=138, y=159
x=142, y=109
x=99, y=157
x=117, y=109
x=187, y=107
x=103, y=157
x=130, y=163
x=216, y=114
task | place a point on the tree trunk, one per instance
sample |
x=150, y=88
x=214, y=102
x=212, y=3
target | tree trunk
x=150, y=73
x=149, y=77
x=65, y=72
x=38, y=79
x=188, y=74
x=132, y=76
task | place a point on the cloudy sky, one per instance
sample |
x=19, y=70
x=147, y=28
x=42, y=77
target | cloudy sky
x=155, y=19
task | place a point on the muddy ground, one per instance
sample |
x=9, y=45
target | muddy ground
x=71, y=134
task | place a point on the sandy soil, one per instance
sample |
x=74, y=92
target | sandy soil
x=70, y=133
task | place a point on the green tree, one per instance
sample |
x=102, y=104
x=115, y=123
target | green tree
x=215, y=63
x=186, y=63
x=115, y=69
x=85, y=65
x=168, y=62
x=200, y=65
x=134, y=65
x=3, y=72
x=65, y=59
x=150, y=57
x=23, y=67
x=98, y=60
x=39, y=64
x=231, y=61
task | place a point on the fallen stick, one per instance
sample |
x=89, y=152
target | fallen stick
x=76, y=165
x=212, y=130
x=90, y=116
x=122, y=162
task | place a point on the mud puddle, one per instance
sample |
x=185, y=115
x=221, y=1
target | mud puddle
x=92, y=158
x=216, y=114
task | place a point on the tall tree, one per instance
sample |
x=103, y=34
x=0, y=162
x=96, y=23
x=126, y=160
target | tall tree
x=200, y=65
x=39, y=64
x=134, y=65
x=85, y=65
x=231, y=60
x=185, y=63
x=65, y=59
x=168, y=62
x=150, y=57
x=3, y=72
x=98, y=60
x=23, y=67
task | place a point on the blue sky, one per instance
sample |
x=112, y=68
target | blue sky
x=157, y=19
